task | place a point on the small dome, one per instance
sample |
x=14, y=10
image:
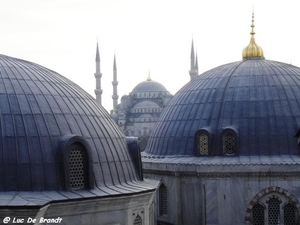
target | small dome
x=149, y=86
x=253, y=50
x=42, y=112
x=145, y=105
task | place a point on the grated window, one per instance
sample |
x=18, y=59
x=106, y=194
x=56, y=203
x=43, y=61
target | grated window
x=203, y=144
x=76, y=168
x=138, y=220
x=228, y=144
x=163, y=200
x=274, y=211
x=289, y=214
x=258, y=215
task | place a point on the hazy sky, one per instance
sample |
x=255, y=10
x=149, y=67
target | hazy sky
x=146, y=35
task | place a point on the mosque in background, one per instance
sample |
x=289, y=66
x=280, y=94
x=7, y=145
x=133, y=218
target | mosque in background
x=226, y=147
x=139, y=111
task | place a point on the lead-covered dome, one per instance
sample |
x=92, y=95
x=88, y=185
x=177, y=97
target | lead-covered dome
x=250, y=107
x=55, y=136
x=149, y=86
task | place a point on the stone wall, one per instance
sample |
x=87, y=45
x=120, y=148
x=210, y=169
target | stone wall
x=219, y=198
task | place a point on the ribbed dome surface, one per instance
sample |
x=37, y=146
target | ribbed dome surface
x=38, y=107
x=149, y=86
x=257, y=98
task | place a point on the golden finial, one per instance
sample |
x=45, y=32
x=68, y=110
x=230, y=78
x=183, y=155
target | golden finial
x=253, y=50
x=149, y=78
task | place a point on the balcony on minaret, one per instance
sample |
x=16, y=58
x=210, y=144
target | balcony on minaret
x=98, y=75
x=98, y=91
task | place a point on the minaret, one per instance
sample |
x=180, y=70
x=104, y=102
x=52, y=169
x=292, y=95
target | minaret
x=98, y=75
x=115, y=95
x=193, y=71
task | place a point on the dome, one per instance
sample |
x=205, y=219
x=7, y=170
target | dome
x=257, y=100
x=149, y=86
x=42, y=115
x=145, y=105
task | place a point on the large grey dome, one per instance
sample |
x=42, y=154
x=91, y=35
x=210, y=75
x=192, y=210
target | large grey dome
x=257, y=100
x=42, y=114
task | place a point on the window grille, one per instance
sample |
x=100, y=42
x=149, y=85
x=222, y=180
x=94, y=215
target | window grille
x=203, y=144
x=138, y=220
x=258, y=215
x=228, y=144
x=163, y=200
x=274, y=211
x=289, y=214
x=76, y=168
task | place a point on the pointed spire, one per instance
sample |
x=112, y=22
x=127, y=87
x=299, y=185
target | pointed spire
x=149, y=77
x=98, y=75
x=97, y=53
x=115, y=82
x=193, y=70
x=253, y=50
x=115, y=65
x=192, y=50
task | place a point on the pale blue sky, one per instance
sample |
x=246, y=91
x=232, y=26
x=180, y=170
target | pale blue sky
x=145, y=34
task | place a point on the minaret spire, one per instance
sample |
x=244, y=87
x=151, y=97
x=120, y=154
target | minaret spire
x=98, y=75
x=193, y=67
x=115, y=95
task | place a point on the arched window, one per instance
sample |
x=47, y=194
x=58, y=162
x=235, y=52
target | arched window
x=273, y=211
x=77, y=167
x=289, y=214
x=203, y=144
x=258, y=214
x=163, y=200
x=228, y=144
x=273, y=206
x=76, y=162
x=203, y=140
x=138, y=220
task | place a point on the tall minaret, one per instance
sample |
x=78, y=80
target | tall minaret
x=98, y=75
x=115, y=95
x=193, y=70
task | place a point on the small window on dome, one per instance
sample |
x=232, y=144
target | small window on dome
x=229, y=141
x=77, y=167
x=203, y=142
x=229, y=144
x=76, y=163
